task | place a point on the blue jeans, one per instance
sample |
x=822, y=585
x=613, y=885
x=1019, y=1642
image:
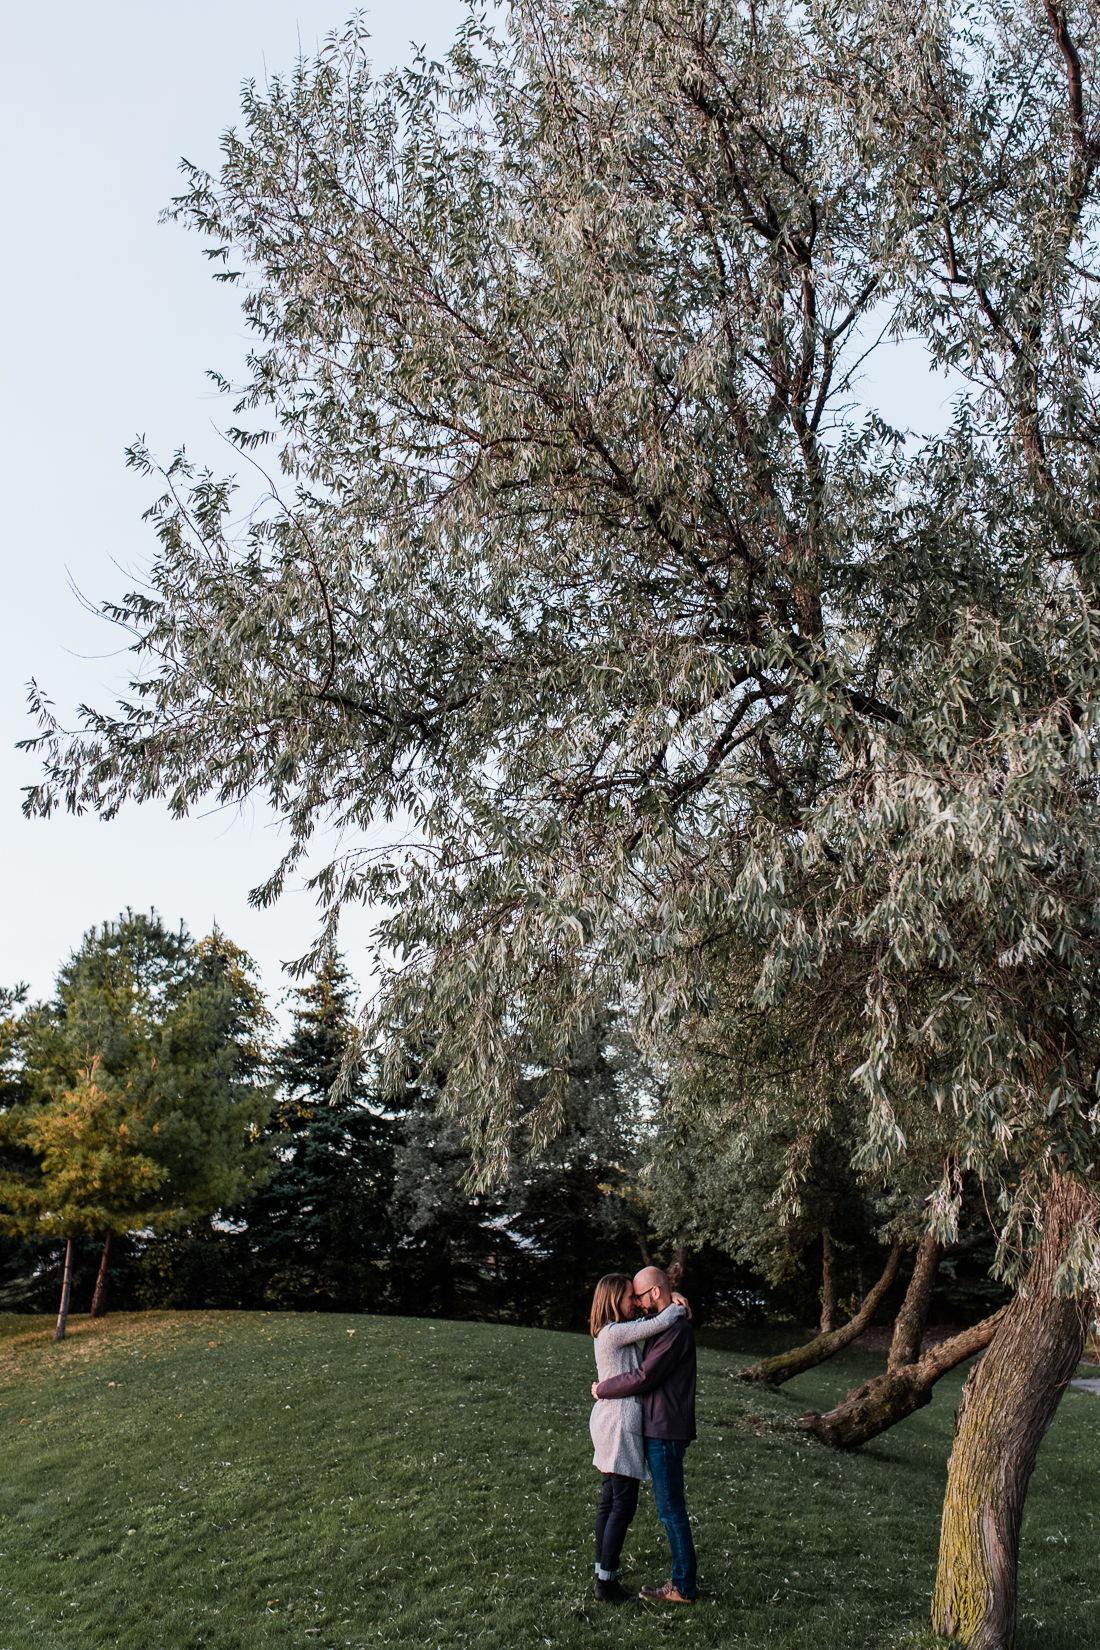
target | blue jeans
x=665, y=1459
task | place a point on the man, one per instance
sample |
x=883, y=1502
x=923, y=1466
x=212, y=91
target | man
x=665, y=1382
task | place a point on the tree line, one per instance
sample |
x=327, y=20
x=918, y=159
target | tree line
x=162, y=1146
x=159, y=1138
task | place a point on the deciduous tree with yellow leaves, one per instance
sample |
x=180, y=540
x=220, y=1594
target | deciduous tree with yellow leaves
x=143, y=1097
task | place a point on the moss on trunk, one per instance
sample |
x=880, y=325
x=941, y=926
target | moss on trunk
x=1007, y=1405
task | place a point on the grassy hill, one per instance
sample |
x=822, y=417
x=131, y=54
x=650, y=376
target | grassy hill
x=242, y=1480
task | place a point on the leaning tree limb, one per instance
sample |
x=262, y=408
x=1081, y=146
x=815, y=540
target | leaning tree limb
x=774, y=1371
x=910, y=1321
x=66, y=1292
x=880, y=1403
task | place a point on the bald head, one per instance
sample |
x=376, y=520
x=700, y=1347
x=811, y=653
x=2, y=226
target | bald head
x=651, y=1287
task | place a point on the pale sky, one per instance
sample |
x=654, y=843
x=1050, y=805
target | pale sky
x=111, y=321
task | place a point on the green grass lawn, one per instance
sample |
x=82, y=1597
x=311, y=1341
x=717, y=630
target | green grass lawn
x=243, y=1480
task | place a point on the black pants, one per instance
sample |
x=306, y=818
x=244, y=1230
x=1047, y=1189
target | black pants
x=618, y=1504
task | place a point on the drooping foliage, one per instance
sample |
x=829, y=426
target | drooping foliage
x=762, y=1150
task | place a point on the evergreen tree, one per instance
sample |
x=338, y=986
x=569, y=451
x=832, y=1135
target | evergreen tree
x=568, y=1209
x=17, y=1255
x=454, y=1255
x=577, y=1203
x=319, y=1231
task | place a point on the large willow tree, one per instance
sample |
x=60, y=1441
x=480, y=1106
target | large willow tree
x=668, y=663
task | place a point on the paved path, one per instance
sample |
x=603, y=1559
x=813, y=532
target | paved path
x=1090, y=1385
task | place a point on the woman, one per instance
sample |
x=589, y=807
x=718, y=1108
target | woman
x=616, y=1423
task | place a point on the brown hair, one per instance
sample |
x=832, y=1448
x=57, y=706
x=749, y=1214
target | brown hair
x=607, y=1301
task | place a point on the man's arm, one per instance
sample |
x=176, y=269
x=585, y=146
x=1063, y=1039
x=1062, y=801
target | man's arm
x=662, y=1354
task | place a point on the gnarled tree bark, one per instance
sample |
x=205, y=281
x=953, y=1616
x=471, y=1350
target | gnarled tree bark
x=876, y=1405
x=784, y=1365
x=1007, y=1405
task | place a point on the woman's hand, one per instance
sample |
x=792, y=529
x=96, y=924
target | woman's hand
x=682, y=1300
x=595, y=1394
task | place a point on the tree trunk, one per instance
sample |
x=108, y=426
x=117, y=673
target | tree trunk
x=786, y=1364
x=876, y=1405
x=647, y=1258
x=99, y=1297
x=66, y=1291
x=1007, y=1405
x=828, y=1282
x=910, y=1321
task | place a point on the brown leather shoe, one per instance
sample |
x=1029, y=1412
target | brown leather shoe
x=668, y=1594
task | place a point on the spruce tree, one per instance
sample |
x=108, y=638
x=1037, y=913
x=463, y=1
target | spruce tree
x=577, y=1203
x=319, y=1230
x=568, y=1210
x=456, y=1256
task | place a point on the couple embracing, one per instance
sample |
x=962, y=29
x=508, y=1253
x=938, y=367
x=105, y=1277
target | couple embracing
x=642, y=1423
